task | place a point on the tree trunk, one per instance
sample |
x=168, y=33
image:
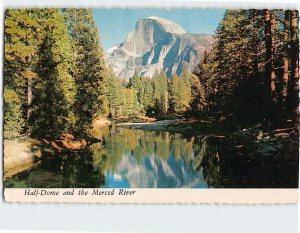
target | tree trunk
x=295, y=44
x=270, y=41
x=286, y=56
x=29, y=97
x=272, y=54
x=294, y=77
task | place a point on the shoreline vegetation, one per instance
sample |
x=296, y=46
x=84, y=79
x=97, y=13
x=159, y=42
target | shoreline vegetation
x=59, y=92
x=23, y=153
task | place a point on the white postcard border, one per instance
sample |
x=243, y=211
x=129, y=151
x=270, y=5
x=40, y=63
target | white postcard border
x=152, y=196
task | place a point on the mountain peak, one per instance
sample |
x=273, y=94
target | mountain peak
x=149, y=32
x=156, y=44
x=168, y=25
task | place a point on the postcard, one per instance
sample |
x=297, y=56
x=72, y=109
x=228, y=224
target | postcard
x=151, y=105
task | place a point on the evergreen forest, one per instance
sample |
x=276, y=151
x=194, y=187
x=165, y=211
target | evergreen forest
x=56, y=80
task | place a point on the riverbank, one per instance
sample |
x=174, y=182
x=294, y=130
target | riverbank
x=20, y=154
x=187, y=127
x=257, y=140
x=250, y=157
x=219, y=129
x=154, y=125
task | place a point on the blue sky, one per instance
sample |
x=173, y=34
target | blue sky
x=114, y=24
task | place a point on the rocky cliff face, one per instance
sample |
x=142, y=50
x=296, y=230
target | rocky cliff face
x=156, y=44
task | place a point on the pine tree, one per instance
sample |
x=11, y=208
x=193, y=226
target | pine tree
x=135, y=83
x=148, y=94
x=164, y=105
x=198, y=98
x=286, y=57
x=174, y=93
x=269, y=37
x=54, y=92
x=91, y=101
x=294, y=79
x=23, y=36
x=236, y=66
x=185, y=89
x=115, y=95
x=13, y=121
x=160, y=92
x=157, y=87
x=270, y=46
x=130, y=101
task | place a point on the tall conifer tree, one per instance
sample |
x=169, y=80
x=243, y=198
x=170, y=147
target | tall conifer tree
x=22, y=35
x=54, y=92
x=91, y=71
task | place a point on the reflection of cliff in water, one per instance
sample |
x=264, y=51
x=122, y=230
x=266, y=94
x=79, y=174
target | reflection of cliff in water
x=150, y=159
x=136, y=158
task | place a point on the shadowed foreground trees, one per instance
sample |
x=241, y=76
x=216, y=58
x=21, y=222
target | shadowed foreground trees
x=250, y=74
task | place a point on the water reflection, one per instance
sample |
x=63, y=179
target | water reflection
x=146, y=159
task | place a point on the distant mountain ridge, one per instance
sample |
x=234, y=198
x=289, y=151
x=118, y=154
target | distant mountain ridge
x=157, y=44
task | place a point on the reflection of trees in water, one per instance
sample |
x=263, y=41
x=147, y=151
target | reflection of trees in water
x=80, y=172
x=76, y=170
x=140, y=144
x=220, y=164
x=199, y=147
x=210, y=165
x=64, y=170
x=206, y=157
x=224, y=167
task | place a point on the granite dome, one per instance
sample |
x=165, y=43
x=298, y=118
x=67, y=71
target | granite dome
x=156, y=44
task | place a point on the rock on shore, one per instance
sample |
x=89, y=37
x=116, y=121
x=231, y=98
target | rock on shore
x=20, y=155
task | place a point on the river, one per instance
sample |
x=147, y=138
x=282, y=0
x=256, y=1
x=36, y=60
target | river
x=133, y=158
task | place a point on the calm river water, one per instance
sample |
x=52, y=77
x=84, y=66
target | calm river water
x=130, y=158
